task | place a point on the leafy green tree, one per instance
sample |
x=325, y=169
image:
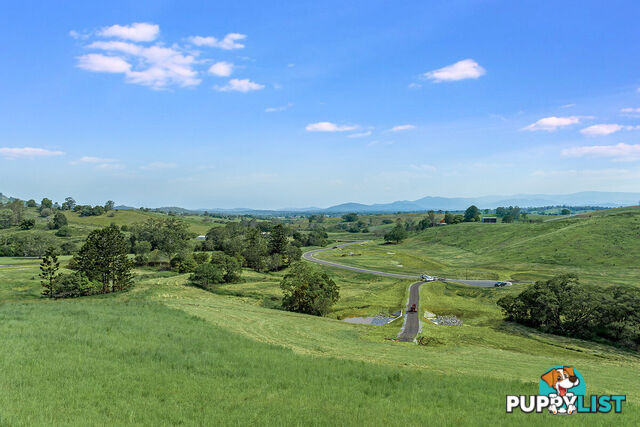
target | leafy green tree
x=206, y=275
x=565, y=211
x=46, y=212
x=75, y=285
x=169, y=235
x=6, y=218
x=64, y=231
x=28, y=224
x=350, y=217
x=508, y=218
x=278, y=240
x=103, y=258
x=46, y=204
x=472, y=214
x=292, y=254
x=59, y=220
x=255, y=250
x=31, y=203
x=231, y=267
x=396, y=235
x=68, y=204
x=48, y=272
x=306, y=290
x=201, y=257
x=109, y=205
x=183, y=262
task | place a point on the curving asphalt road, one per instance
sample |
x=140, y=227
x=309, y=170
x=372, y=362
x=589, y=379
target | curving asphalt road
x=309, y=257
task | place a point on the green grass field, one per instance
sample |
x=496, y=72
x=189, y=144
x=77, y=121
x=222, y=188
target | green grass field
x=168, y=353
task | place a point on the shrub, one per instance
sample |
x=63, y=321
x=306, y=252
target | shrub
x=64, y=231
x=183, y=263
x=306, y=290
x=27, y=224
x=46, y=212
x=68, y=248
x=201, y=257
x=230, y=266
x=206, y=275
x=59, y=221
x=75, y=285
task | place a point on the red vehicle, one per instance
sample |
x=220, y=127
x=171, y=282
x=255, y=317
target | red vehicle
x=413, y=308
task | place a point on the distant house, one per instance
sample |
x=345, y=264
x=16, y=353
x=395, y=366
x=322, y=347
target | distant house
x=489, y=219
x=201, y=237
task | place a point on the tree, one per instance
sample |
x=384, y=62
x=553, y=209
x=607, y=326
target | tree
x=46, y=204
x=168, y=235
x=508, y=218
x=28, y=224
x=255, y=250
x=68, y=204
x=306, y=290
x=109, y=205
x=278, y=240
x=103, y=258
x=6, y=218
x=350, y=217
x=46, y=212
x=74, y=285
x=206, y=275
x=565, y=211
x=472, y=214
x=183, y=262
x=397, y=234
x=231, y=268
x=31, y=203
x=59, y=220
x=48, y=272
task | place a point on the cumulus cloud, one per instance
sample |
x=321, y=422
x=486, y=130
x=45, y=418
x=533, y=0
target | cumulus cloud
x=619, y=152
x=240, y=85
x=329, y=127
x=401, y=128
x=229, y=42
x=99, y=63
x=221, y=69
x=630, y=110
x=157, y=65
x=550, y=124
x=461, y=70
x=14, y=153
x=137, y=32
x=605, y=129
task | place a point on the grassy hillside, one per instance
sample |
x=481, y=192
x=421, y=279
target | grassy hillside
x=601, y=247
x=169, y=353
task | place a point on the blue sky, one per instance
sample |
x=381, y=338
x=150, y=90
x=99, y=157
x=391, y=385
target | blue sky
x=271, y=105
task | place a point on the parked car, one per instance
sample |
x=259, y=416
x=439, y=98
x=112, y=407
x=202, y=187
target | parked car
x=427, y=278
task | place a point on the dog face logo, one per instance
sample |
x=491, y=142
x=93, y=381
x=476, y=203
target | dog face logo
x=562, y=384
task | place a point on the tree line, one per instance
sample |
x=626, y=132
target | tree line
x=564, y=307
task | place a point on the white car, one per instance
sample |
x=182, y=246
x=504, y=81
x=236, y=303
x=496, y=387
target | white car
x=427, y=278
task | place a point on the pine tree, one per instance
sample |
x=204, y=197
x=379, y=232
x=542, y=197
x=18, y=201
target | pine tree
x=48, y=271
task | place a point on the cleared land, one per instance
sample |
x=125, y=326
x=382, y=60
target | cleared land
x=168, y=353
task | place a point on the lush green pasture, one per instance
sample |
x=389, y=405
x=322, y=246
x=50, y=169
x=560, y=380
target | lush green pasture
x=601, y=247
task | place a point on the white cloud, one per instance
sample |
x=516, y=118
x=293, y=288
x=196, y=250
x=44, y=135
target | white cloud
x=630, y=110
x=13, y=153
x=137, y=32
x=99, y=63
x=401, y=128
x=605, y=129
x=550, y=124
x=424, y=168
x=90, y=159
x=619, y=152
x=240, y=85
x=158, y=165
x=567, y=105
x=360, y=135
x=156, y=66
x=278, y=109
x=221, y=69
x=415, y=85
x=461, y=70
x=229, y=42
x=329, y=127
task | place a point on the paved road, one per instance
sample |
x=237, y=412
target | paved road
x=411, y=325
x=309, y=257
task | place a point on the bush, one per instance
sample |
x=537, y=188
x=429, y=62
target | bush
x=306, y=290
x=201, y=257
x=75, y=285
x=59, y=221
x=27, y=224
x=64, y=231
x=183, y=263
x=141, y=259
x=68, y=248
x=46, y=212
x=207, y=275
x=230, y=266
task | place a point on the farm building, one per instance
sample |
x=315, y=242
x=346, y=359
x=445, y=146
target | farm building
x=201, y=237
x=489, y=219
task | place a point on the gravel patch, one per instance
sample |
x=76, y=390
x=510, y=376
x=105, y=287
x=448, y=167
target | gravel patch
x=380, y=319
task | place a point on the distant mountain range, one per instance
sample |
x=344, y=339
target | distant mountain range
x=587, y=198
